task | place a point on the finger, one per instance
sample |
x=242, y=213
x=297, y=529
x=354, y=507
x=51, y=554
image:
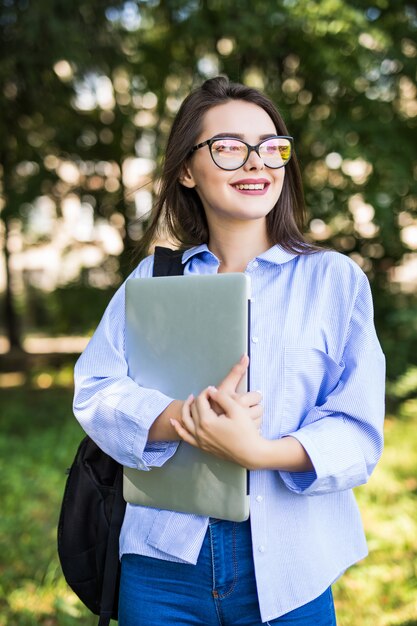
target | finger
x=183, y=433
x=187, y=405
x=211, y=404
x=231, y=382
x=251, y=398
x=195, y=413
x=187, y=418
x=257, y=421
x=256, y=412
x=223, y=399
x=188, y=423
x=203, y=407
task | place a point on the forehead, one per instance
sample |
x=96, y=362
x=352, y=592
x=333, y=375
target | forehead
x=237, y=117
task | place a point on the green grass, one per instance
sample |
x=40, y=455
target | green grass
x=38, y=439
x=37, y=442
x=382, y=590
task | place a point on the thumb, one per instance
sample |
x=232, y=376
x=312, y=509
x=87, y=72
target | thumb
x=230, y=383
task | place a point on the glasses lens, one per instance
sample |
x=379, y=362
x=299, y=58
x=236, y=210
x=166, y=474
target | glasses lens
x=229, y=154
x=275, y=152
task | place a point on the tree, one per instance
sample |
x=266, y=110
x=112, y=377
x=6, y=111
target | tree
x=43, y=46
x=342, y=73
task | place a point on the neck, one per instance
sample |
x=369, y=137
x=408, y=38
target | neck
x=235, y=247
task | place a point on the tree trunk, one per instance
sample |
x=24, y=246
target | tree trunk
x=12, y=321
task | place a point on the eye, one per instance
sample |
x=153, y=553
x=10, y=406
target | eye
x=228, y=146
x=273, y=148
x=276, y=148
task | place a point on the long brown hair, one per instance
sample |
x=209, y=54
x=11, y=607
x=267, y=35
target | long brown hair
x=179, y=211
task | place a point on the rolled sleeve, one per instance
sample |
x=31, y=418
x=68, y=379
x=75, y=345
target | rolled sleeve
x=113, y=409
x=158, y=452
x=344, y=436
x=117, y=415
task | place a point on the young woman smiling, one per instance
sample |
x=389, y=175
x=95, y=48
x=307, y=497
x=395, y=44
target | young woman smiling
x=309, y=430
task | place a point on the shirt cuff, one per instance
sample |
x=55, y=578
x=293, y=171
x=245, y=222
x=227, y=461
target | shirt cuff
x=157, y=453
x=153, y=453
x=303, y=482
x=334, y=470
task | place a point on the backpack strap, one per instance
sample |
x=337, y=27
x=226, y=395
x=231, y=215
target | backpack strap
x=111, y=567
x=167, y=262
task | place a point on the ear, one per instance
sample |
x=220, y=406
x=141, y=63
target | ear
x=186, y=178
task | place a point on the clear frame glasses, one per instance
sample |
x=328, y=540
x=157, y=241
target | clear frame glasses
x=230, y=153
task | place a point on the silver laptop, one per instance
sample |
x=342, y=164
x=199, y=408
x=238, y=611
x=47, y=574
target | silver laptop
x=184, y=333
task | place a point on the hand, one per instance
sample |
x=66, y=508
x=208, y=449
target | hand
x=162, y=430
x=233, y=434
x=230, y=385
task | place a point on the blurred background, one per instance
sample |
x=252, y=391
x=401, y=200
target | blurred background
x=88, y=90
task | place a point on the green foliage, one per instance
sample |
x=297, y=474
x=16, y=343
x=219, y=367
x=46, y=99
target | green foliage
x=341, y=71
x=396, y=323
x=38, y=440
x=69, y=310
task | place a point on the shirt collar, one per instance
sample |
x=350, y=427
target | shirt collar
x=191, y=252
x=276, y=255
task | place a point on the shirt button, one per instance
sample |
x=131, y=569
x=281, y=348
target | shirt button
x=261, y=548
x=259, y=499
x=253, y=300
x=255, y=339
x=255, y=264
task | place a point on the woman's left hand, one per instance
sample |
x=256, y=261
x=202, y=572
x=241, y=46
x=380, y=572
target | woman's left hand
x=233, y=434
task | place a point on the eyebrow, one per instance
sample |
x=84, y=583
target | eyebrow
x=240, y=136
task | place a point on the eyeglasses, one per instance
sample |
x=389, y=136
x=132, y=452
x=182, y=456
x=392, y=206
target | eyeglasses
x=229, y=153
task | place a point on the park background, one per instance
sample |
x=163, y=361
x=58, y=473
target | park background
x=88, y=90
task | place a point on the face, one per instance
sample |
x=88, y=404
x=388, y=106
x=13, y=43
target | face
x=248, y=193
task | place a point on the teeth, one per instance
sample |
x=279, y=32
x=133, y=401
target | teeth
x=251, y=186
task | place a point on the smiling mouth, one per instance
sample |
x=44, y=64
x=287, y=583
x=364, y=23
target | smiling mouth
x=251, y=186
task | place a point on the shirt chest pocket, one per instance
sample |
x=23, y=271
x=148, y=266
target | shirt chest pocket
x=310, y=375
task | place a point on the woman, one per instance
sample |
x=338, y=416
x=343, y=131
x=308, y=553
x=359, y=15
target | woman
x=231, y=195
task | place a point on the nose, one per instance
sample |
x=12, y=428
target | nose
x=254, y=161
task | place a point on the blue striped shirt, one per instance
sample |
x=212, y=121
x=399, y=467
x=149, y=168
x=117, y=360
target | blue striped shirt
x=316, y=359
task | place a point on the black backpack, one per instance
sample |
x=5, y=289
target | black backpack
x=93, y=508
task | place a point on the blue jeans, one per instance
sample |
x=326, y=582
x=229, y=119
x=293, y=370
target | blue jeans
x=220, y=590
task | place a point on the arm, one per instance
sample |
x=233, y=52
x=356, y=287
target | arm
x=111, y=407
x=162, y=428
x=234, y=434
x=344, y=435
x=129, y=422
x=337, y=444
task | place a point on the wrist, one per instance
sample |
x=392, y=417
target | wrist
x=162, y=429
x=260, y=453
x=285, y=454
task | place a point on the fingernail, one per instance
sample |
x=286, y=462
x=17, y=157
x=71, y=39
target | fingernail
x=212, y=388
x=173, y=422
